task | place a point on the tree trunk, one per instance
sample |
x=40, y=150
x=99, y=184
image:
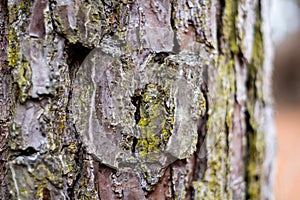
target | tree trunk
x=136, y=99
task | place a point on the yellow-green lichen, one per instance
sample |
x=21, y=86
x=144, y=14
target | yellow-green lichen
x=155, y=123
x=256, y=140
x=221, y=102
x=229, y=26
x=41, y=191
x=18, y=18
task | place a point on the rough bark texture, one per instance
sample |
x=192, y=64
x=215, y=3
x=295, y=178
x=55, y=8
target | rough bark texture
x=178, y=108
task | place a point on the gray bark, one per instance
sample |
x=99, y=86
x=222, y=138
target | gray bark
x=136, y=100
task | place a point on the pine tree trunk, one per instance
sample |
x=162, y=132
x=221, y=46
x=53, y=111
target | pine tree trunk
x=136, y=99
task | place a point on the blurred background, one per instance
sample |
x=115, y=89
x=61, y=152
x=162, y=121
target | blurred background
x=285, y=19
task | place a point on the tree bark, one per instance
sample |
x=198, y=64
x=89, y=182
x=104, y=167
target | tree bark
x=136, y=99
